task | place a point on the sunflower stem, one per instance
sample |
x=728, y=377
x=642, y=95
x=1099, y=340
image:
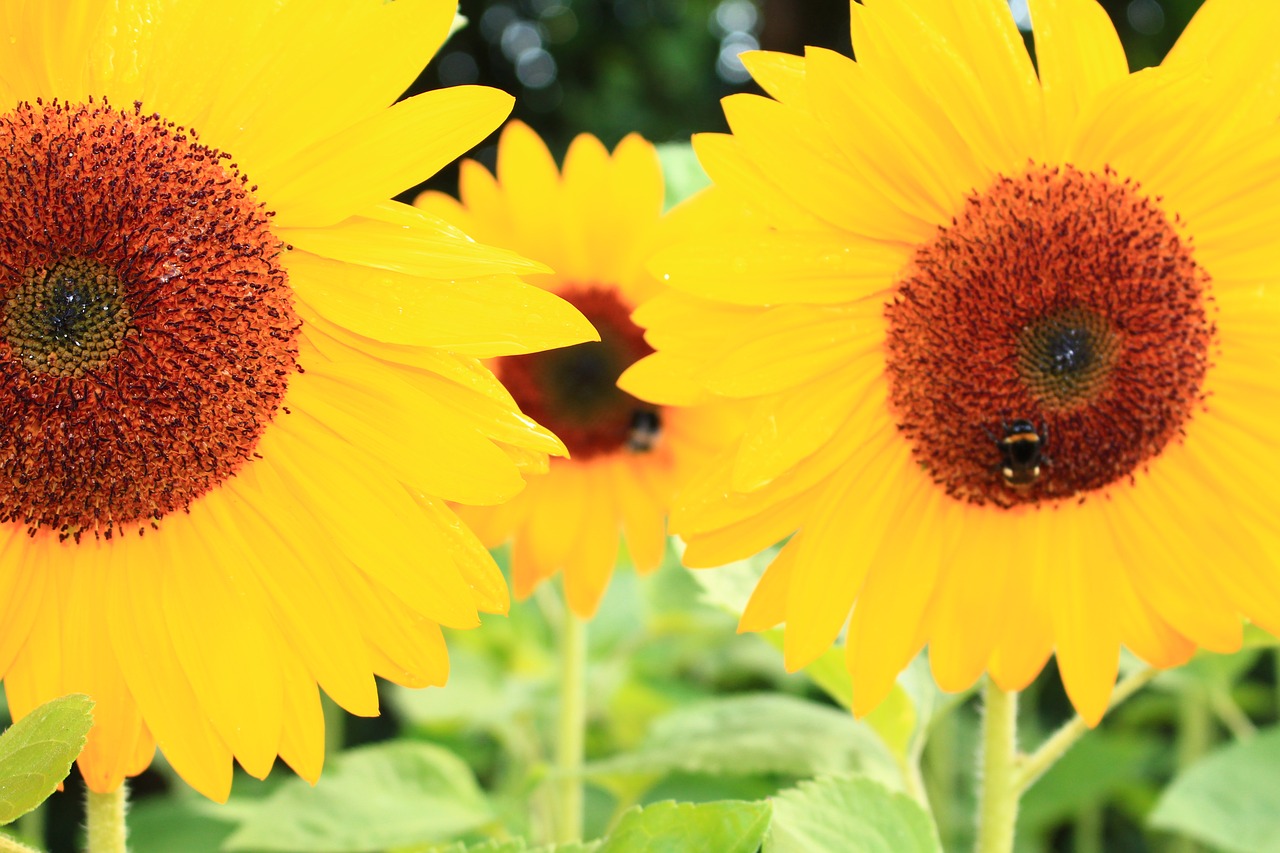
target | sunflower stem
x=30, y=827
x=1195, y=737
x=1231, y=715
x=570, y=732
x=105, y=819
x=1033, y=766
x=998, y=809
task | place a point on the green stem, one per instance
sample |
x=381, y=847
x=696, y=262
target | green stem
x=9, y=844
x=1276, y=675
x=1033, y=766
x=943, y=775
x=1089, y=830
x=30, y=828
x=1195, y=736
x=105, y=818
x=1231, y=715
x=571, y=729
x=335, y=727
x=913, y=780
x=998, y=810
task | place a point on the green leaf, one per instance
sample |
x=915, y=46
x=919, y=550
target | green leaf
x=750, y=734
x=682, y=171
x=1231, y=799
x=394, y=794
x=728, y=826
x=515, y=845
x=1256, y=638
x=848, y=815
x=162, y=825
x=36, y=753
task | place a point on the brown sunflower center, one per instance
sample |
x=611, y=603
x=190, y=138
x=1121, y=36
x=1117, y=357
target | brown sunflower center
x=148, y=328
x=574, y=392
x=1050, y=341
x=67, y=319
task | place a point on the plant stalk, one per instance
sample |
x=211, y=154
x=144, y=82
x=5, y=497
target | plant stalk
x=998, y=809
x=571, y=728
x=1033, y=766
x=105, y=816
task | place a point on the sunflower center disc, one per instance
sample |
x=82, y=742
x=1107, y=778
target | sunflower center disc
x=573, y=391
x=1050, y=341
x=67, y=320
x=148, y=333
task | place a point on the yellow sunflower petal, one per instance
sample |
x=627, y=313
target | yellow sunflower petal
x=901, y=154
x=378, y=528
x=372, y=408
x=300, y=88
x=1232, y=42
x=888, y=626
x=643, y=521
x=1084, y=625
x=781, y=267
x=381, y=155
x=1079, y=56
x=727, y=164
x=302, y=739
x=970, y=601
x=297, y=572
x=780, y=434
x=816, y=177
x=156, y=675
x=589, y=565
x=836, y=547
x=500, y=315
x=767, y=606
x=417, y=247
x=407, y=648
x=532, y=192
x=779, y=74
x=227, y=644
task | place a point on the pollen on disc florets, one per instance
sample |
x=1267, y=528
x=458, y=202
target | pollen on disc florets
x=147, y=332
x=573, y=391
x=1050, y=341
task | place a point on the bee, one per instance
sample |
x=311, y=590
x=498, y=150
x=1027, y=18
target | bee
x=646, y=429
x=1022, y=450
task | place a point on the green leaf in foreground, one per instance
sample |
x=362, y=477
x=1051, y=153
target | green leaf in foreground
x=751, y=734
x=1231, y=799
x=515, y=845
x=848, y=815
x=728, y=826
x=394, y=794
x=36, y=753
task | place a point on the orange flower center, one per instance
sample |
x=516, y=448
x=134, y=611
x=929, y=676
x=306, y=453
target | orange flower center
x=148, y=332
x=1049, y=342
x=574, y=392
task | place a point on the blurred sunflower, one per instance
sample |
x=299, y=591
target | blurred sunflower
x=595, y=226
x=1009, y=338
x=238, y=384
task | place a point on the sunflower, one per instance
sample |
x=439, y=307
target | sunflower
x=594, y=225
x=1009, y=341
x=239, y=384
